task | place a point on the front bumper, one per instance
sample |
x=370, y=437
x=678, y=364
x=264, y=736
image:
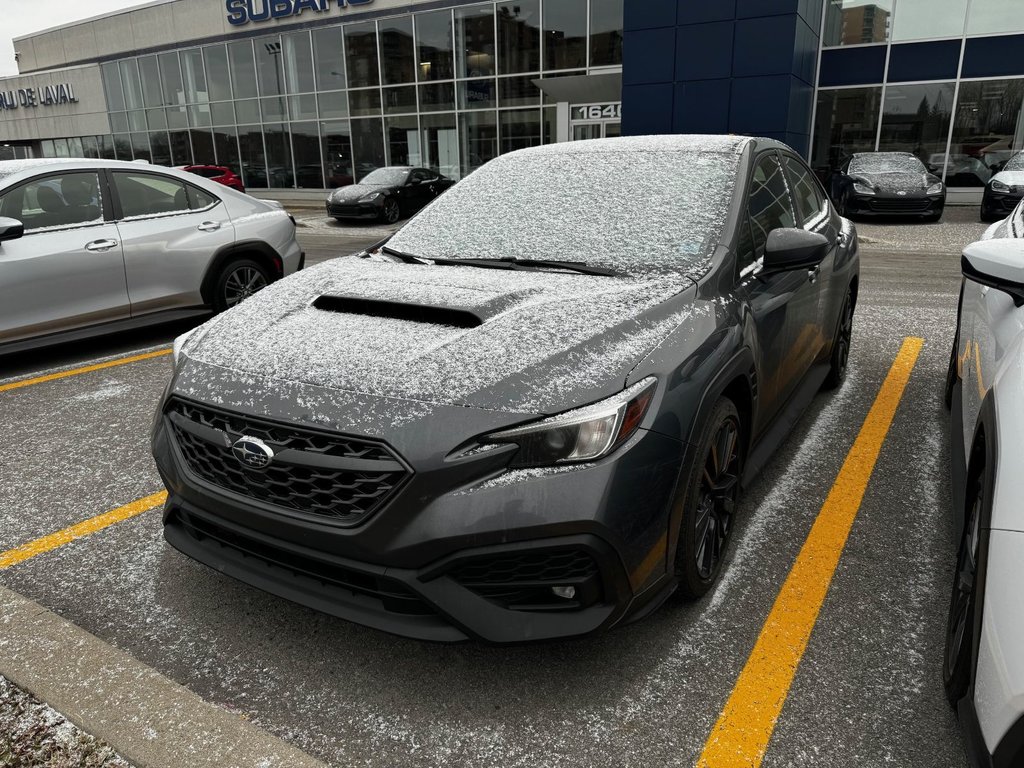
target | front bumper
x=1001, y=204
x=362, y=211
x=884, y=204
x=476, y=559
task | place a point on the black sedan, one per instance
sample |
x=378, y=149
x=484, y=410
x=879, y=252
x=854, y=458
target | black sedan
x=1004, y=190
x=387, y=194
x=530, y=413
x=887, y=184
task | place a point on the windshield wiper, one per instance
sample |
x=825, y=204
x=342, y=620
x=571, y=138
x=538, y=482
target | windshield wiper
x=408, y=258
x=512, y=262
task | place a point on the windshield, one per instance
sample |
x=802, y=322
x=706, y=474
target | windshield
x=386, y=177
x=1015, y=163
x=627, y=210
x=887, y=162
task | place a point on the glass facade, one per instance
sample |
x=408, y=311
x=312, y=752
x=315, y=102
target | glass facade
x=963, y=130
x=311, y=109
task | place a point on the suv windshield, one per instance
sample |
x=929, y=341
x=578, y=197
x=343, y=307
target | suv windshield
x=627, y=210
x=887, y=162
x=386, y=177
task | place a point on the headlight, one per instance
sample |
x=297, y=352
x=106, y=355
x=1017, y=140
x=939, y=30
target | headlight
x=370, y=197
x=935, y=189
x=998, y=186
x=179, y=343
x=583, y=434
x=862, y=189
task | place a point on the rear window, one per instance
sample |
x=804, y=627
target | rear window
x=632, y=211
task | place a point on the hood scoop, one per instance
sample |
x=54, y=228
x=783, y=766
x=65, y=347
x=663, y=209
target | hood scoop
x=458, y=317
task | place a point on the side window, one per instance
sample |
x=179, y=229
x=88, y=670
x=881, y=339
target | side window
x=147, y=194
x=770, y=205
x=809, y=198
x=67, y=200
x=418, y=176
x=198, y=199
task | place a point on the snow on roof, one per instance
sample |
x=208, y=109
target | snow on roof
x=664, y=143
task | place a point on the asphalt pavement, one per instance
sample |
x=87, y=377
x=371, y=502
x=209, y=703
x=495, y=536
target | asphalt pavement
x=868, y=691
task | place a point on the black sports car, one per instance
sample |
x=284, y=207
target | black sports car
x=387, y=194
x=887, y=184
x=529, y=414
x=1004, y=190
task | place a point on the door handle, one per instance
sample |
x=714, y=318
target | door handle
x=209, y=226
x=100, y=246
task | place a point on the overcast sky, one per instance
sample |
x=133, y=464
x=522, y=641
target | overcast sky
x=20, y=17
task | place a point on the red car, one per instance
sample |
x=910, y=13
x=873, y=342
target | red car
x=217, y=173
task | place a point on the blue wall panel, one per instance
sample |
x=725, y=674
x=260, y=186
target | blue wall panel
x=702, y=107
x=656, y=49
x=764, y=46
x=701, y=11
x=852, y=66
x=648, y=14
x=993, y=56
x=924, y=61
x=704, y=51
x=649, y=109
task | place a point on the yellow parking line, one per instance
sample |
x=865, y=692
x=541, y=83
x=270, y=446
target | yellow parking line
x=745, y=726
x=85, y=369
x=84, y=528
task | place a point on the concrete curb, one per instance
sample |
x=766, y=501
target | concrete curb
x=147, y=718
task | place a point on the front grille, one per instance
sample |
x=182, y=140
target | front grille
x=393, y=595
x=523, y=581
x=341, y=209
x=334, y=477
x=900, y=205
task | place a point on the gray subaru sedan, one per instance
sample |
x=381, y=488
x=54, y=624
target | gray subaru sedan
x=95, y=246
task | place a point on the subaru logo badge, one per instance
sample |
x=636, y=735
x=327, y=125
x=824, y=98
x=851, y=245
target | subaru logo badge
x=252, y=452
x=901, y=193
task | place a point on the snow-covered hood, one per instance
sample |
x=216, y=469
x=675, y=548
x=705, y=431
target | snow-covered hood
x=898, y=182
x=1010, y=178
x=355, y=191
x=534, y=342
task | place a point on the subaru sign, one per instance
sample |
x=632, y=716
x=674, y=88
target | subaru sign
x=243, y=11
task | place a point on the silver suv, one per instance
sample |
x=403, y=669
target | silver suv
x=93, y=246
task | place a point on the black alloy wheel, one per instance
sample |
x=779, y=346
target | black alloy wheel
x=956, y=672
x=390, y=212
x=841, y=345
x=713, y=492
x=238, y=281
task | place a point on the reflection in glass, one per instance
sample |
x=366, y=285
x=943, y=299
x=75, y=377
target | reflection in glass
x=106, y=147
x=336, y=139
x=218, y=79
x=223, y=113
x=847, y=122
x=361, y=54
x=994, y=17
x=161, y=147
x=606, y=32
x=478, y=138
x=248, y=111
x=122, y=146
x=181, y=148
x=202, y=147
x=176, y=117
x=364, y=103
x=279, y=156
x=140, y=147
x=157, y=119
x=437, y=97
x=550, y=125
x=269, y=66
x=333, y=105
x=519, y=36
x=243, y=69
x=923, y=19
x=474, y=36
x=137, y=120
x=856, y=22
x=520, y=128
x=915, y=119
x=252, y=158
x=434, y=45
x=194, y=76
x=119, y=122
x=199, y=116
x=565, y=34
x=306, y=151
x=298, y=62
x=112, y=87
x=303, y=107
x=225, y=144
x=441, y=144
x=518, y=92
x=131, y=83
x=274, y=109
x=403, y=140
x=400, y=100
x=170, y=79
x=89, y=147
x=367, y=146
x=397, y=50
x=477, y=94
x=987, y=132
x=329, y=57
x=149, y=71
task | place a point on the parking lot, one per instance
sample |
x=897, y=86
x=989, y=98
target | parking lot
x=868, y=689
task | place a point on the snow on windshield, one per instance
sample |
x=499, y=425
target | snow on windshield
x=634, y=205
x=1015, y=163
x=887, y=162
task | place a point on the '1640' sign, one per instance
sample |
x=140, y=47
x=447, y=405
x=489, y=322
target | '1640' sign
x=47, y=96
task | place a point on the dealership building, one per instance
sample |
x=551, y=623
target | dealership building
x=311, y=94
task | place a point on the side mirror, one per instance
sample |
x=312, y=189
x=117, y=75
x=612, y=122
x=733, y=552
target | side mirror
x=792, y=249
x=10, y=229
x=998, y=264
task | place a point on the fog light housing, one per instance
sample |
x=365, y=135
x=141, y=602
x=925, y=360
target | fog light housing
x=567, y=593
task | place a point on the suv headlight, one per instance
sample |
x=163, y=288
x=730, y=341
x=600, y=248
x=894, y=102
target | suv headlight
x=998, y=186
x=179, y=343
x=935, y=189
x=370, y=197
x=862, y=189
x=582, y=434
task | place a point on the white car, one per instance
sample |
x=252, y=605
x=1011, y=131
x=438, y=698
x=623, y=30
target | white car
x=984, y=659
x=94, y=246
x=1004, y=190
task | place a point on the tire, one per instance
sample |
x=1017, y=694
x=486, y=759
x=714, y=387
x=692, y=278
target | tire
x=391, y=212
x=989, y=218
x=708, y=511
x=237, y=281
x=958, y=658
x=840, y=359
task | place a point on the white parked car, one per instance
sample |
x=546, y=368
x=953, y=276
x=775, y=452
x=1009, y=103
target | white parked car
x=94, y=246
x=984, y=659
